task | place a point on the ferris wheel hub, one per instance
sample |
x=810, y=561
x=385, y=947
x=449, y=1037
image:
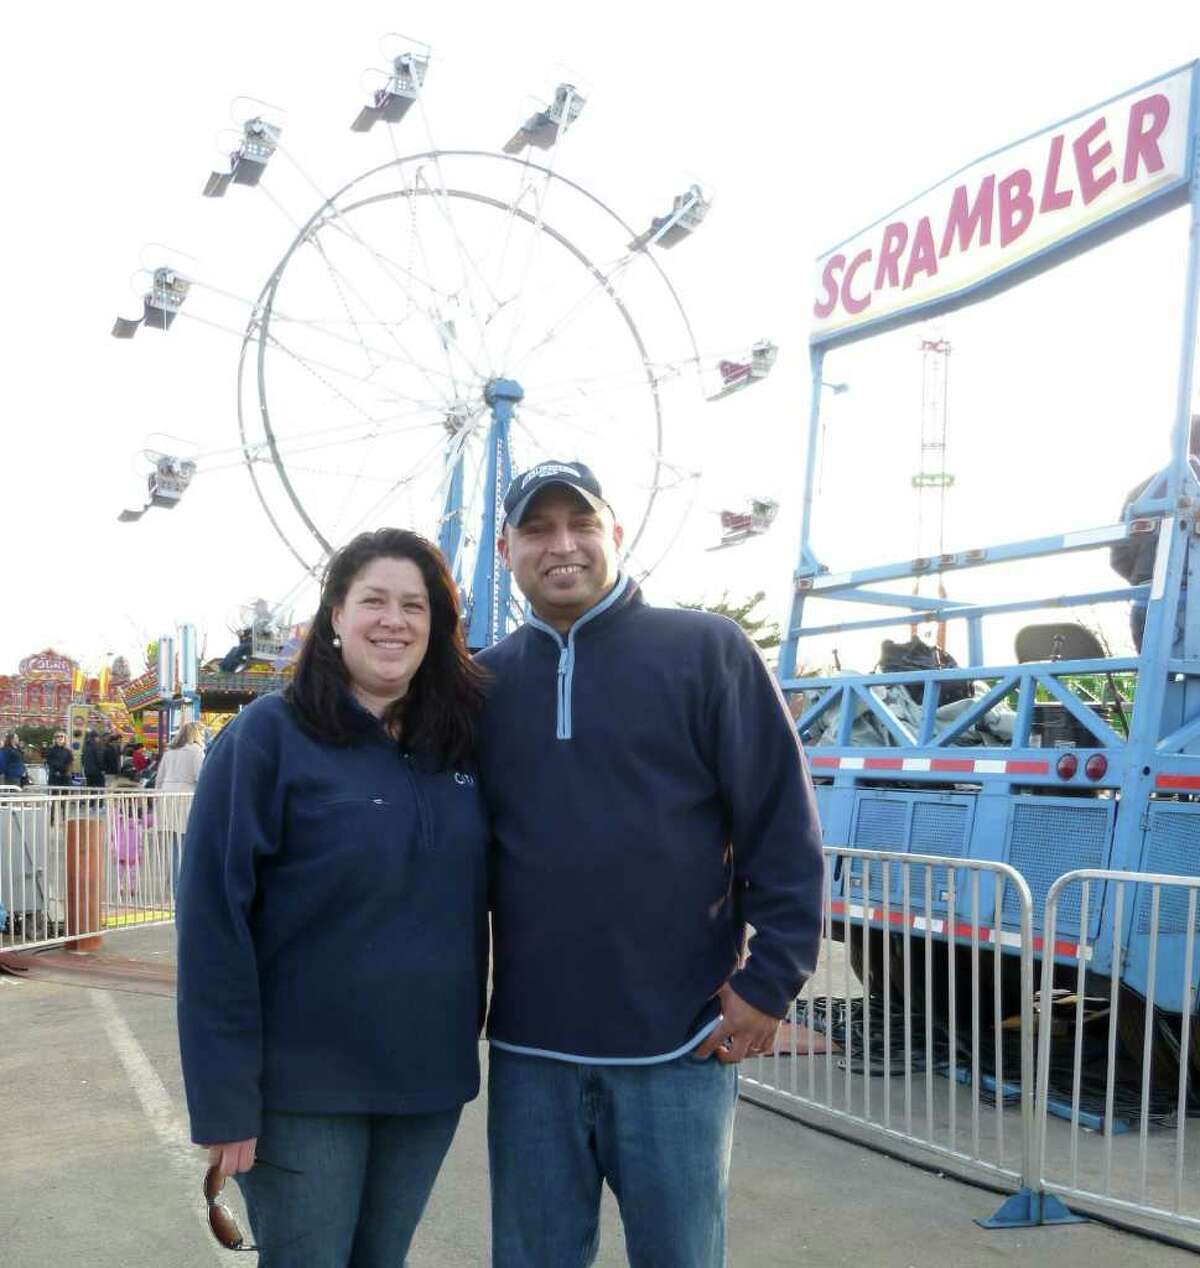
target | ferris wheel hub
x=503, y=390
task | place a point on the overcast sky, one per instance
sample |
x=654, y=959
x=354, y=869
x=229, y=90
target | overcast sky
x=808, y=126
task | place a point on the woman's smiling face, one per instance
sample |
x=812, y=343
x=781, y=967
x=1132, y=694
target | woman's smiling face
x=384, y=626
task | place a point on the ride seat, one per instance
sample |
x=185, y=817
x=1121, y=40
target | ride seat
x=1057, y=640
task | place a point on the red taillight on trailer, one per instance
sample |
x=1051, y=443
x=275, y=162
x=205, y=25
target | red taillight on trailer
x=1096, y=766
x=1067, y=765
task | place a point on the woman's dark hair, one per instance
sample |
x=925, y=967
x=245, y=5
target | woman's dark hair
x=438, y=716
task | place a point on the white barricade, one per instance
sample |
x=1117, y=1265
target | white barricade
x=1120, y=1064
x=76, y=864
x=931, y=1055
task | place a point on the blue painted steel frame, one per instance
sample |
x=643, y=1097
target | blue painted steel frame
x=490, y=601
x=1164, y=730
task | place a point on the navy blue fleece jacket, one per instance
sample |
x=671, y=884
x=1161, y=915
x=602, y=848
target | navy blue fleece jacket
x=648, y=798
x=332, y=925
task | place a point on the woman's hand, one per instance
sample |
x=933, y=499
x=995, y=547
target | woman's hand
x=236, y=1156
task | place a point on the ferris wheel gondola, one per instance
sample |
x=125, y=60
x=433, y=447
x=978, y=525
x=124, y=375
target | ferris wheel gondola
x=740, y=526
x=160, y=304
x=166, y=484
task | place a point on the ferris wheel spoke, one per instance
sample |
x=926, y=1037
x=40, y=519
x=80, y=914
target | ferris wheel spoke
x=432, y=315
x=342, y=372
x=535, y=239
x=426, y=373
x=370, y=359
x=560, y=418
x=337, y=216
x=469, y=511
x=467, y=264
x=309, y=442
x=444, y=203
x=419, y=240
x=602, y=284
x=406, y=480
x=311, y=366
x=262, y=451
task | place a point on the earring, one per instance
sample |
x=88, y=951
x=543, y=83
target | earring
x=337, y=642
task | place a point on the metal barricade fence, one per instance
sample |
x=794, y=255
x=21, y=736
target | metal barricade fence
x=1128, y=997
x=76, y=864
x=942, y=1039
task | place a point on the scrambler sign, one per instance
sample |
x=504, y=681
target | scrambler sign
x=1006, y=212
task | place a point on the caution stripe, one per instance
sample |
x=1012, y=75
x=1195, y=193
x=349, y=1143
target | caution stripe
x=949, y=765
x=987, y=933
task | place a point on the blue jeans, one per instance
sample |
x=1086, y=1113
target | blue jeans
x=343, y=1190
x=660, y=1135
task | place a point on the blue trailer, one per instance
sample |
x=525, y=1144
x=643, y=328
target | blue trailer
x=1090, y=760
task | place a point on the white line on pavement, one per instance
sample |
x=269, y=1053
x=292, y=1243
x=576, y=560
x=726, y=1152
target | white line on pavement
x=156, y=1104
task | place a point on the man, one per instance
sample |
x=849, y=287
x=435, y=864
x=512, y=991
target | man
x=648, y=798
x=110, y=757
x=93, y=761
x=1133, y=557
x=59, y=760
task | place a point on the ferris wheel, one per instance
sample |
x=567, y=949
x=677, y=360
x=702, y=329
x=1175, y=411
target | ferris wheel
x=445, y=319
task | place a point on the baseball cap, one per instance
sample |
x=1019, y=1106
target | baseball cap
x=571, y=475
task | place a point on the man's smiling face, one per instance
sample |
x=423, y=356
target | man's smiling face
x=563, y=555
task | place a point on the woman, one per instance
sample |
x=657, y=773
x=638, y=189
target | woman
x=332, y=921
x=180, y=766
x=179, y=772
x=12, y=762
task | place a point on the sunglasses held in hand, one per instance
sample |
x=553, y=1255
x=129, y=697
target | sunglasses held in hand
x=221, y=1221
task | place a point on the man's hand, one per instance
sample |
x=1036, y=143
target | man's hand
x=236, y=1156
x=747, y=1031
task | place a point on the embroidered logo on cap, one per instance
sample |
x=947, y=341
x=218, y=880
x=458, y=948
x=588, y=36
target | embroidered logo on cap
x=549, y=468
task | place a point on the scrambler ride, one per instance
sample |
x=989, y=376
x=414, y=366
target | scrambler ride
x=1066, y=777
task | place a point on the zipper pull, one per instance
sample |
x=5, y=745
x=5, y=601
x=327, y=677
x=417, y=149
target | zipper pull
x=562, y=663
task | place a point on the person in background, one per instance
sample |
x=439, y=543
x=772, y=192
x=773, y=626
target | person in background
x=1133, y=556
x=12, y=762
x=110, y=757
x=93, y=764
x=649, y=801
x=332, y=921
x=59, y=760
x=138, y=759
x=179, y=772
x=179, y=769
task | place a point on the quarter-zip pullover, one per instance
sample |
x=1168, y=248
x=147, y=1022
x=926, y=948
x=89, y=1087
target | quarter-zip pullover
x=648, y=799
x=332, y=927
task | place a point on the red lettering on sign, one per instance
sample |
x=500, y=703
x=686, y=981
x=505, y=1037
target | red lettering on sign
x=923, y=258
x=1014, y=204
x=895, y=236
x=823, y=307
x=1092, y=186
x=849, y=303
x=1053, y=198
x=963, y=221
x=1147, y=119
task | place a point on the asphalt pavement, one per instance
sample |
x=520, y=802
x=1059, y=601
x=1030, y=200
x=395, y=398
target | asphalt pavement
x=96, y=1168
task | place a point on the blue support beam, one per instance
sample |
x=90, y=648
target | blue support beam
x=1011, y=552
x=955, y=612
x=491, y=589
x=451, y=531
